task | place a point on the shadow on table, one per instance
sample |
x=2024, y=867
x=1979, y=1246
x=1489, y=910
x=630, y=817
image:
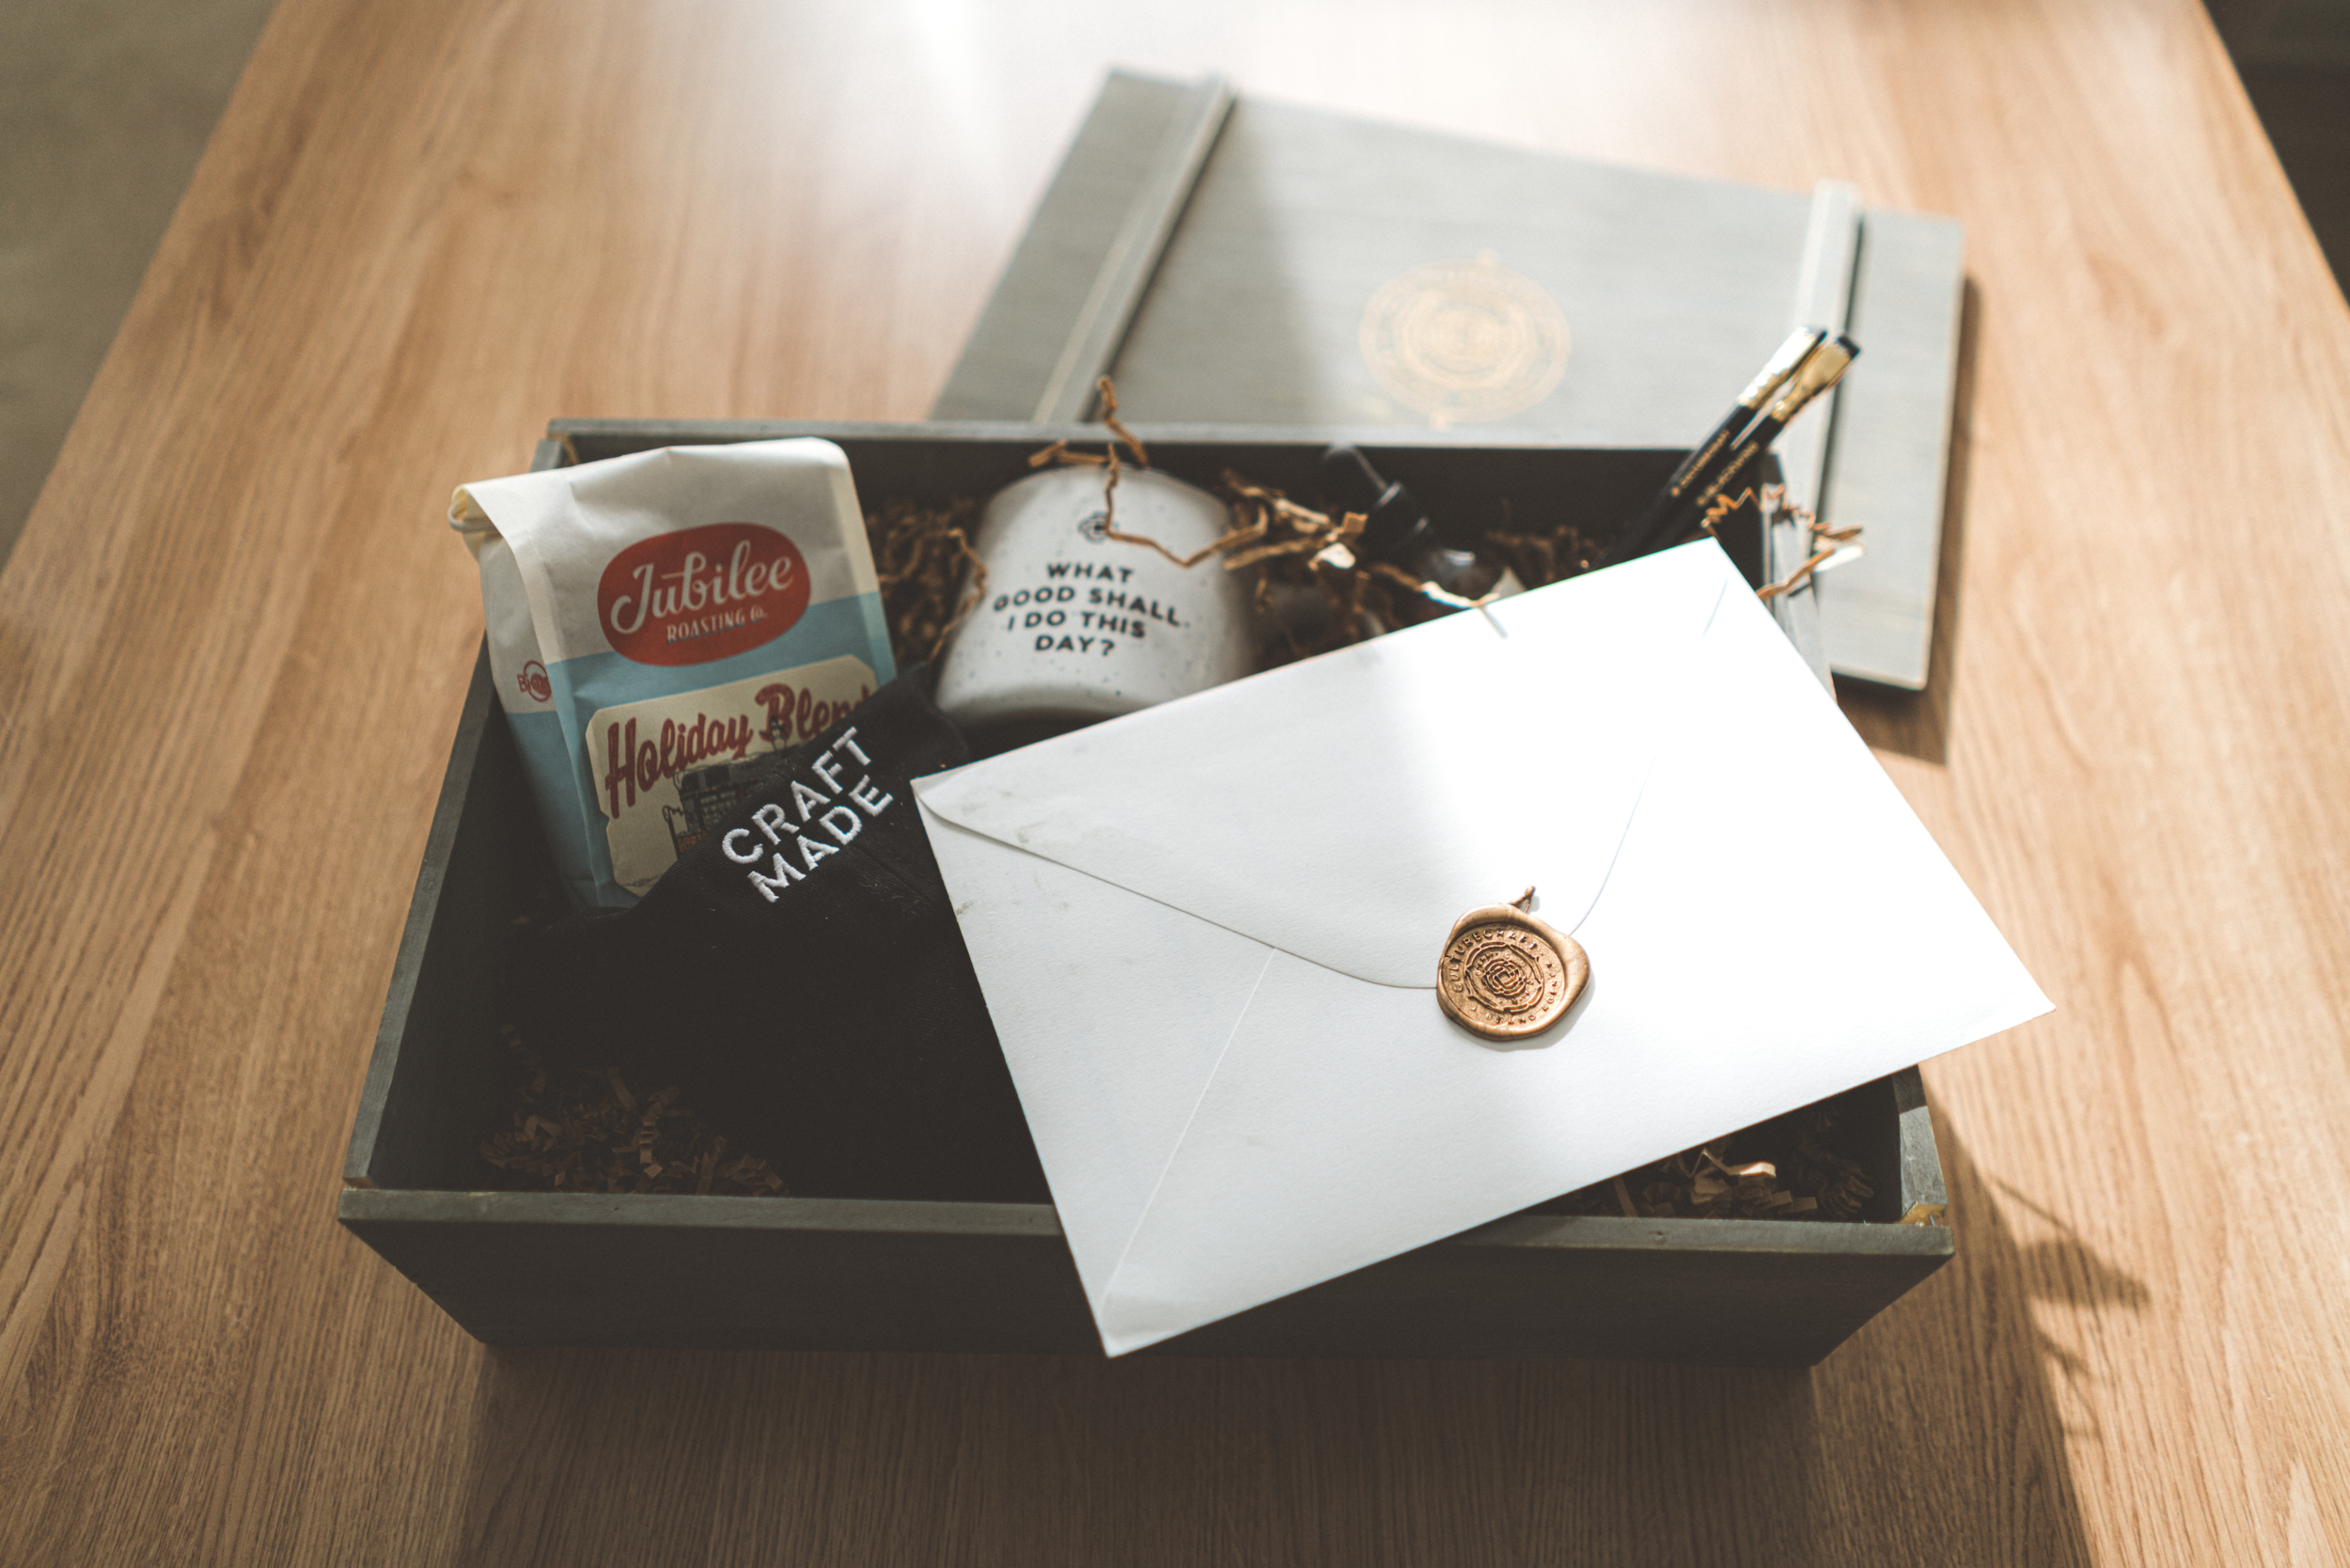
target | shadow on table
x=1937, y=1436
x=1918, y=724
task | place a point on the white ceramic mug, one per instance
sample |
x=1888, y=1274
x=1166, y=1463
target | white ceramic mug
x=1075, y=626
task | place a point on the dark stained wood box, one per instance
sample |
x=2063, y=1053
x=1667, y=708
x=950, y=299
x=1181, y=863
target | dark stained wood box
x=851, y=1274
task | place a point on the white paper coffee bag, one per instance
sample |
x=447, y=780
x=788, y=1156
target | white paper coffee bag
x=657, y=624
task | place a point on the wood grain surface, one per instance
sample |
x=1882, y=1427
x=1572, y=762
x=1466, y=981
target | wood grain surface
x=234, y=639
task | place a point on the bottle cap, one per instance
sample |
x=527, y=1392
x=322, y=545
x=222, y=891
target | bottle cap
x=1396, y=523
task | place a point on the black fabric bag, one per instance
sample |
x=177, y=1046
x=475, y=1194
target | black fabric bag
x=800, y=974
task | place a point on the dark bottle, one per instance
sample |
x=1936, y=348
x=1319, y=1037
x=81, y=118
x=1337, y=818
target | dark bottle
x=1398, y=530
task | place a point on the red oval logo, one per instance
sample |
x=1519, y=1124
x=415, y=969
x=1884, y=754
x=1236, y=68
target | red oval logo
x=699, y=594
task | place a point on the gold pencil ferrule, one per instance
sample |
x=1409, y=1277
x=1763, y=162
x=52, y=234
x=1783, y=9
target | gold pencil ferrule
x=1789, y=357
x=1824, y=369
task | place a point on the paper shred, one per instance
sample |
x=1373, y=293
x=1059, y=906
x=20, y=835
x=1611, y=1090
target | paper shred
x=573, y=1130
x=1242, y=532
x=1827, y=544
x=1804, y=1178
x=1795, y=579
x=1540, y=557
x=931, y=577
x=1117, y=428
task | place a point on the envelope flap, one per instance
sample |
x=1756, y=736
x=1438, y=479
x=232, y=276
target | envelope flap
x=1348, y=809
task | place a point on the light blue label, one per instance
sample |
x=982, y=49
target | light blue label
x=565, y=780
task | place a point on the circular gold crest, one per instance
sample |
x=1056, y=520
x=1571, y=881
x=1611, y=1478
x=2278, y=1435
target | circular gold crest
x=1464, y=340
x=1505, y=975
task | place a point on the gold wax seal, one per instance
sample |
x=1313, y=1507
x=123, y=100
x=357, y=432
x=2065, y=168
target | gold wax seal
x=1505, y=975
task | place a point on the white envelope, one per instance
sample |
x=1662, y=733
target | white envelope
x=1208, y=931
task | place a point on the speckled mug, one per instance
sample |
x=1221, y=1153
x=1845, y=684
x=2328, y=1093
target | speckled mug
x=1077, y=627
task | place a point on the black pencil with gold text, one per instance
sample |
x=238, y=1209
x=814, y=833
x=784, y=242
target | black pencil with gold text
x=1698, y=469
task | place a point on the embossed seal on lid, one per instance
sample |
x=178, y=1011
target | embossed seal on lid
x=1464, y=341
x=1506, y=975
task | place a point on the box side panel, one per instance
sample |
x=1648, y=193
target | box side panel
x=1892, y=446
x=1658, y=1303
x=445, y=1087
x=400, y=999
x=1924, y=1199
x=1117, y=290
x=1012, y=352
x=747, y=1272
x=724, y=1286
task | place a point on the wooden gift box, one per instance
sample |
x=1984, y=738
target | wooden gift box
x=852, y=1273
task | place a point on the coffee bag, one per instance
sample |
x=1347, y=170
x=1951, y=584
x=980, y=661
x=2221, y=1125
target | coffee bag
x=659, y=625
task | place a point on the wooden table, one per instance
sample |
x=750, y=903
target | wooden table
x=233, y=640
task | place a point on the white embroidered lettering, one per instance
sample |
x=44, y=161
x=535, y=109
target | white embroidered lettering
x=863, y=795
x=770, y=819
x=824, y=773
x=847, y=738
x=786, y=874
x=856, y=825
x=807, y=800
x=813, y=852
x=741, y=857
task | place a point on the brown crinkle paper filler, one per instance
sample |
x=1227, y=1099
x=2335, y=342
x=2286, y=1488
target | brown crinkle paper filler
x=1540, y=556
x=577, y=1131
x=921, y=555
x=1722, y=1181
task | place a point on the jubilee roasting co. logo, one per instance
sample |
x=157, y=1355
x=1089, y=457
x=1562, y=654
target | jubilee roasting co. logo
x=699, y=594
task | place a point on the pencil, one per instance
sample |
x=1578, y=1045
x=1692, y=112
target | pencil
x=1698, y=468
x=1822, y=370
